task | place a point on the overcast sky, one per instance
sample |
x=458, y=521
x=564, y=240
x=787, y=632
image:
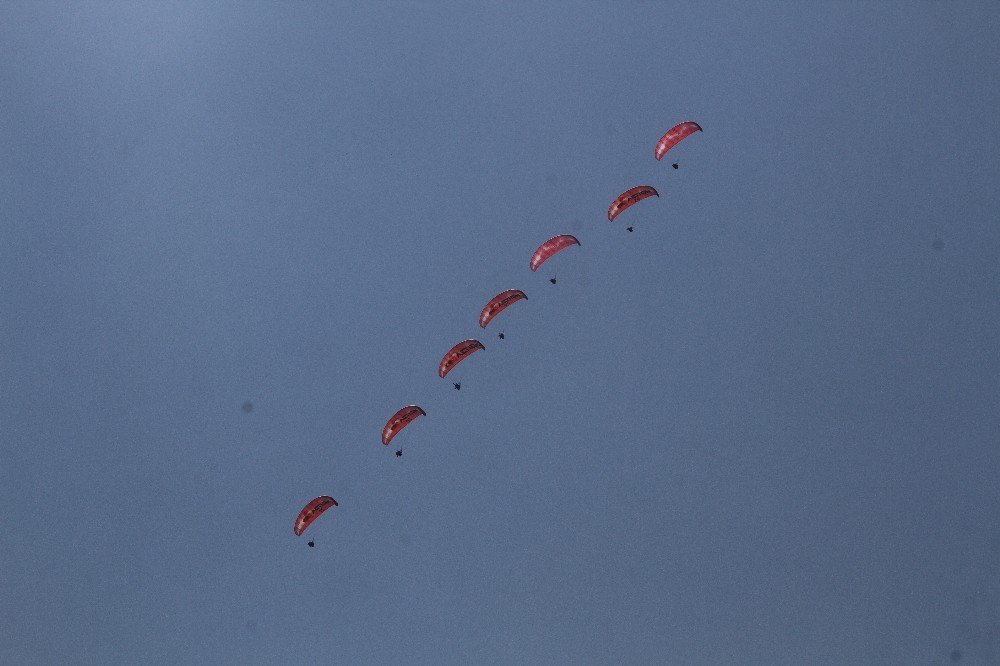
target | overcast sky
x=762, y=428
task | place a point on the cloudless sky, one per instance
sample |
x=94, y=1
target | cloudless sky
x=762, y=428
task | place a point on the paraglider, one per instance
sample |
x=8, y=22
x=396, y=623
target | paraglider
x=498, y=304
x=400, y=420
x=629, y=229
x=552, y=280
x=674, y=136
x=630, y=197
x=501, y=335
x=311, y=512
x=458, y=386
x=676, y=165
x=456, y=355
x=549, y=248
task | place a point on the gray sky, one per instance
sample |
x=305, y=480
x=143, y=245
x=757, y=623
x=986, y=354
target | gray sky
x=763, y=428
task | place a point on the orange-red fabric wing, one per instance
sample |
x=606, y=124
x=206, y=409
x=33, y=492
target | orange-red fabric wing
x=550, y=247
x=630, y=197
x=457, y=354
x=312, y=511
x=674, y=136
x=400, y=420
x=499, y=303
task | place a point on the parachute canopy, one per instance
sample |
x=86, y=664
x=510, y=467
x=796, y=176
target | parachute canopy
x=499, y=303
x=457, y=354
x=400, y=420
x=312, y=511
x=674, y=136
x=630, y=197
x=550, y=247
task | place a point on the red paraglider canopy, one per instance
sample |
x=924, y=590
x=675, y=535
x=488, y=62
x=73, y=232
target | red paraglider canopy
x=499, y=303
x=312, y=511
x=400, y=420
x=674, y=136
x=457, y=354
x=630, y=197
x=550, y=247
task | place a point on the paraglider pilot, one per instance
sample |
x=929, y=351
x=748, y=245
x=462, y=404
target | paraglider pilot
x=458, y=386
